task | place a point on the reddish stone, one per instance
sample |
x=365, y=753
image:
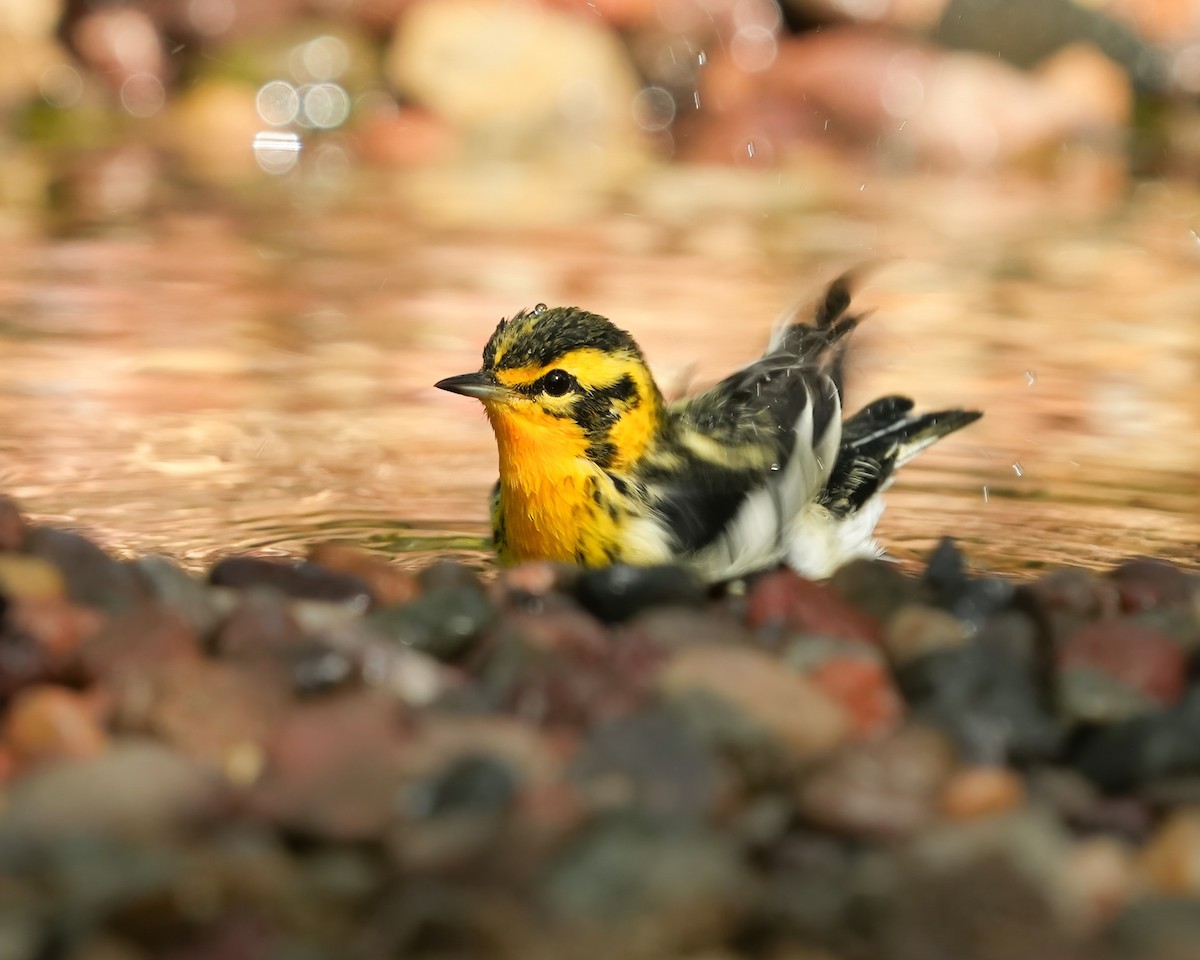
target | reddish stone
x=333, y=766
x=390, y=585
x=12, y=526
x=46, y=722
x=1145, y=583
x=1141, y=658
x=783, y=599
x=58, y=626
x=863, y=686
x=211, y=712
x=134, y=641
x=1077, y=592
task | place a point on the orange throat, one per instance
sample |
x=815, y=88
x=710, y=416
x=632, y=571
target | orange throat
x=545, y=485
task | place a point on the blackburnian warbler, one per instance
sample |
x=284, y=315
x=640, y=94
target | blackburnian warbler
x=595, y=468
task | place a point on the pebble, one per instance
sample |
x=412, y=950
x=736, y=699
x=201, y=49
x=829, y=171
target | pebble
x=131, y=643
x=92, y=577
x=445, y=621
x=29, y=578
x=196, y=603
x=1170, y=863
x=780, y=702
x=981, y=792
x=617, y=593
x=983, y=698
x=971, y=599
x=135, y=787
x=1145, y=748
x=333, y=766
x=853, y=675
x=298, y=579
x=261, y=626
x=915, y=630
x=876, y=587
x=1114, y=669
x=651, y=761
x=883, y=789
x=388, y=583
x=12, y=526
x=48, y=722
x=1145, y=583
x=784, y=600
x=1077, y=593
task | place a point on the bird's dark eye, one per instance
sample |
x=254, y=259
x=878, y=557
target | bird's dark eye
x=557, y=383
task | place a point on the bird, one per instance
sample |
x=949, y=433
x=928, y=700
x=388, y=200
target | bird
x=597, y=468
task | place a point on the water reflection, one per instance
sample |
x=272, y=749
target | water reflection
x=259, y=377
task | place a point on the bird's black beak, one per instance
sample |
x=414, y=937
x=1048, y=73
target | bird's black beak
x=482, y=386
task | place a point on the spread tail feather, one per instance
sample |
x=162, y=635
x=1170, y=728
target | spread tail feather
x=876, y=442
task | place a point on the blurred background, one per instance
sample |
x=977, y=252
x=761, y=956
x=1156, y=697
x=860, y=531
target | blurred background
x=240, y=240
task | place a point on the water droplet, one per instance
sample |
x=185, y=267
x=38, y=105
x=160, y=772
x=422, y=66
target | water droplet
x=1031, y=377
x=702, y=59
x=539, y=309
x=325, y=105
x=653, y=109
x=1195, y=236
x=696, y=97
x=862, y=187
x=985, y=493
x=1018, y=469
x=750, y=148
x=775, y=468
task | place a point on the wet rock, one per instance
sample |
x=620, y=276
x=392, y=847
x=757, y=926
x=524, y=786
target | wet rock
x=662, y=631
x=1114, y=669
x=1101, y=880
x=1076, y=593
x=129, y=644
x=783, y=600
x=885, y=788
x=1145, y=748
x=298, y=579
x=971, y=599
x=984, y=699
x=915, y=630
x=211, y=712
x=29, y=578
x=195, y=602
x=12, y=526
x=317, y=668
x=649, y=761
x=47, y=722
x=539, y=578
x=981, y=792
x=780, y=703
x=853, y=675
x=455, y=818
x=616, y=593
x=1170, y=863
x=990, y=890
x=389, y=585
x=1156, y=928
x=260, y=627
x=133, y=788
x=92, y=577
x=1145, y=583
x=58, y=628
x=1080, y=805
x=333, y=767
x=445, y=622
x=877, y=587
x=656, y=885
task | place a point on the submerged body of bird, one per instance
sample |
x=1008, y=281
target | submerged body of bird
x=596, y=468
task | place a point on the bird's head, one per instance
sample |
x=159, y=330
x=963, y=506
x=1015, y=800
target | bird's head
x=561, y=383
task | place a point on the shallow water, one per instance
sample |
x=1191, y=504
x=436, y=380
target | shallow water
x=254, y=372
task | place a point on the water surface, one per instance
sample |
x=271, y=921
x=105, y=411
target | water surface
x=254, y=373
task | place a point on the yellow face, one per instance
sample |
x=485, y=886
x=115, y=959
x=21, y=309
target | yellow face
x=572, y=405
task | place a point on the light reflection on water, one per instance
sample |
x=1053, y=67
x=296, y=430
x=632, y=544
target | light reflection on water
x=259, y=378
